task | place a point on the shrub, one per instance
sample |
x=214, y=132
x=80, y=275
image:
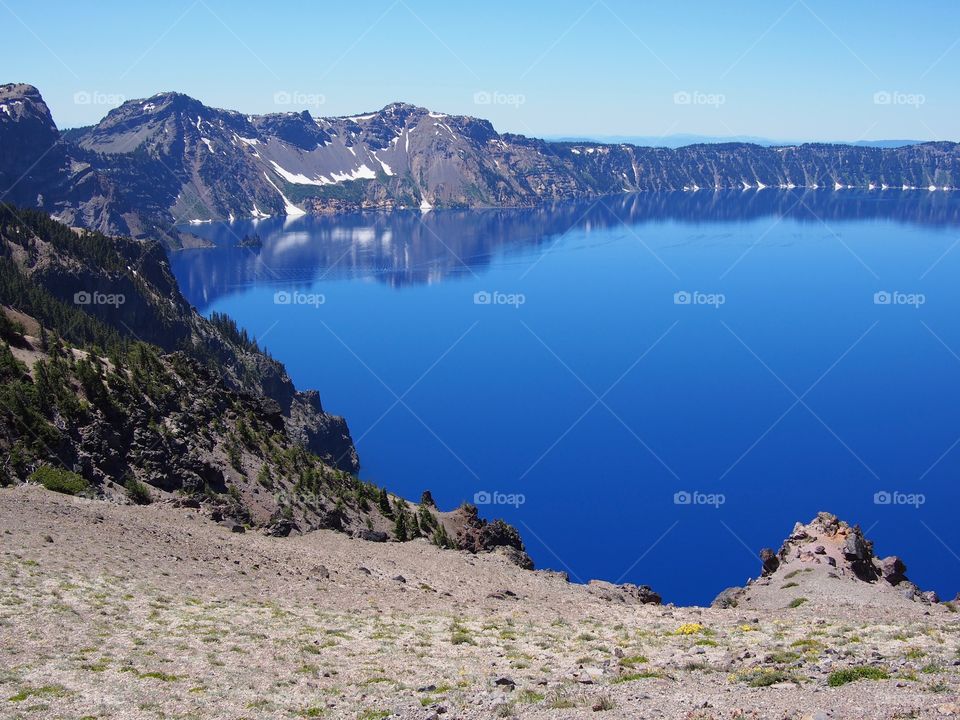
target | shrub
x=862, y=672
x=137, y=491
x=59, y=480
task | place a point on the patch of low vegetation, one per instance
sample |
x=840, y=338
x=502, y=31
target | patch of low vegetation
x=137, y=492
x=852, y=674
x=634, y=676
x=765, y=677
x=530, y=697
x=783, y=657
x=797, y=602
x=38, y=692
x=560, y=700
x=157, y=675
x=373, y=714
x=460, y=634
x=59, y=480
x=603, y=703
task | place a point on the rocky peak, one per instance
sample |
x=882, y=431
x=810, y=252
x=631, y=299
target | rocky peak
x=21, y=99
x=27, y=135
x=23, y=111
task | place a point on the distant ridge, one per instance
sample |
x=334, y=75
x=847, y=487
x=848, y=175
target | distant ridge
x=156, y=163
x=679, y=140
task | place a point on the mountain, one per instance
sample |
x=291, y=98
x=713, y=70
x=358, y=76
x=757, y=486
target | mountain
x=114, y=387
x=151, y=165
x=826, y=562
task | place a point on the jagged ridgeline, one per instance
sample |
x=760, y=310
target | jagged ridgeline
x=114, y=387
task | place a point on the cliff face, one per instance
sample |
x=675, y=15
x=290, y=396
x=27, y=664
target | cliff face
x=155, y=163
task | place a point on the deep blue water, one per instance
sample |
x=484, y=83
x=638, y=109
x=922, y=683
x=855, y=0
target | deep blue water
x=598, y=399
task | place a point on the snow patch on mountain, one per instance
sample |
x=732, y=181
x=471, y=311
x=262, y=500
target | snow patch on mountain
x=289, y=208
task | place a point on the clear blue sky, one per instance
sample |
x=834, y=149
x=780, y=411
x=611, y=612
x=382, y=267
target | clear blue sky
x=808, y=69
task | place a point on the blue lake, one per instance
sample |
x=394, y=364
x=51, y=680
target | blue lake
x=650, y=387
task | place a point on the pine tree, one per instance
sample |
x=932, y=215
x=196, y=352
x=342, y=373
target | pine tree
x=400, y=526
x=383, y=501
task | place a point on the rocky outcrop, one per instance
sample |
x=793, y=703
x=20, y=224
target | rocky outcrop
x=324, y=435
x=627, y=593
x=474, y=534
x=826, y=560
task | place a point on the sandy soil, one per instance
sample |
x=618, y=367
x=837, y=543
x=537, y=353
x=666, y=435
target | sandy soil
x=110, y=611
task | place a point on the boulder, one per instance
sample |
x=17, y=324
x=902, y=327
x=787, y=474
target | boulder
x=372, y=535
x=893, y=570
x=769, y=560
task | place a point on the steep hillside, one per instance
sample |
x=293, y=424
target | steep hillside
x=114, y=387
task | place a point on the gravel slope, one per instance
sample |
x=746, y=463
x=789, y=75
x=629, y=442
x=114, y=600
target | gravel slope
x=110, y=611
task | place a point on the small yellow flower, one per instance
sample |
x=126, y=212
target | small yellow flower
x=690, y=629
x=747, y=628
